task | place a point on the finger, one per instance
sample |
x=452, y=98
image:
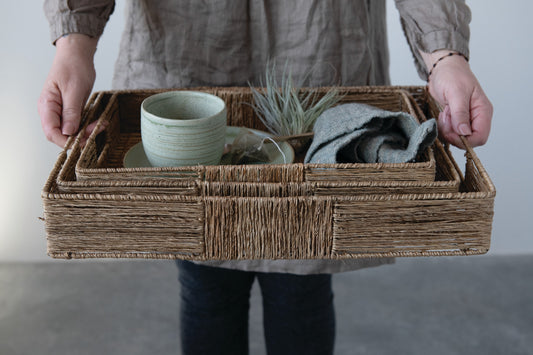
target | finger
x=481, y=112
x=445, y=128
x=73, y=101
x=90, y=128
x=459, y=103
x=49, y=108
x=443, y=120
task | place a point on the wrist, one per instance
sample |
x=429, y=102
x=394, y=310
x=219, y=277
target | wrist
x=447, y=57
x=77, y=44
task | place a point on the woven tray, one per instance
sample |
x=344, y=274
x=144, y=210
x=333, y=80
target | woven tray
x=285, y=222
x=102, y=157
x=190, y=181
x=131, y=225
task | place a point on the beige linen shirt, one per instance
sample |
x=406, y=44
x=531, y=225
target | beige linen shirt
x=188, y=43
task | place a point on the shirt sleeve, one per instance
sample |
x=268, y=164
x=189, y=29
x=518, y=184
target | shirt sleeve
x=430, y=25
x=77, y=16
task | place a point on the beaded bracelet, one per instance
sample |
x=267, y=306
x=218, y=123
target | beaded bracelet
x=441, y=58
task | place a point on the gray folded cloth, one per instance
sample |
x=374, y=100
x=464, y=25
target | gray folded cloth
x=358, y=133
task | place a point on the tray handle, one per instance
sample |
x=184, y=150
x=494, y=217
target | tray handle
x=88, y=111
x=476, y=177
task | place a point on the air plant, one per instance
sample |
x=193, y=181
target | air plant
x=286, y=109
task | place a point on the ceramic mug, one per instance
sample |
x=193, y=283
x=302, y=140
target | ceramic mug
x=182, y=128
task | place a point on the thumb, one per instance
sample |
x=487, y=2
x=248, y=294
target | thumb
x=73, y=102
x=459, y=104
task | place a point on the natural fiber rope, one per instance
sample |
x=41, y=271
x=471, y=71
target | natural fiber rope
x=291, y=218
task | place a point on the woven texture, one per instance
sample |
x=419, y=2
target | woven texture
x=288, y=212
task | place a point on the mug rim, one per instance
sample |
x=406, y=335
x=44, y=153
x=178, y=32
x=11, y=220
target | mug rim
x=169, y=94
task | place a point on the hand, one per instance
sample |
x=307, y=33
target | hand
x=466, y=109
x=67, y=88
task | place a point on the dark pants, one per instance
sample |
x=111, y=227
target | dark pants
x=298, y=314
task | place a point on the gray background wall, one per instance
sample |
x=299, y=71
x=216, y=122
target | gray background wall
x=501, y=49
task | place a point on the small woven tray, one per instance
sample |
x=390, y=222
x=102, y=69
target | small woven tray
x=102, y=157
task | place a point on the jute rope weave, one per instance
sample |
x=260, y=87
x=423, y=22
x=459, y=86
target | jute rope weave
x=244, y=228
x=204, y=214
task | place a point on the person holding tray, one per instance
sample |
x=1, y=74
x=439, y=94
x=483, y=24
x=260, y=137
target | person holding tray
x=188, y=43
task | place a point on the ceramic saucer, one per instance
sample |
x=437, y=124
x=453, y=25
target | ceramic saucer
x=136, y=158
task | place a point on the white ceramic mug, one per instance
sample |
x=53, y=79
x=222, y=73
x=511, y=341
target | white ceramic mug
x=181, y=128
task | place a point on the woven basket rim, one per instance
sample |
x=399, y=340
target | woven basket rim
x=51, y=183
x=176, y=255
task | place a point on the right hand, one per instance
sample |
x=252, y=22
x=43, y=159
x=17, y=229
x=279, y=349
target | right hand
x=466, y=109
x=67, y=88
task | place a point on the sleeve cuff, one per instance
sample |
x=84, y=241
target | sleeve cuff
x=432, y=41
x=86, y=24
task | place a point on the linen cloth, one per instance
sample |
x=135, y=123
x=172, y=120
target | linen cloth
x=189, y=43
x=185, y=43
x=358, y=133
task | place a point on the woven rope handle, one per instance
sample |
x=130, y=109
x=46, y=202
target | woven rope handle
x=472, y=157
x=467, y=145
x=84, y=122
x=435, y=109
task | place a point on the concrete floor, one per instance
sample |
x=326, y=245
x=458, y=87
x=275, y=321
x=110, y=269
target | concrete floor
x=459, y=305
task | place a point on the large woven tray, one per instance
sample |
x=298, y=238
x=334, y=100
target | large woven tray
x=276, y=225
x=128, y=225
x=102, y=157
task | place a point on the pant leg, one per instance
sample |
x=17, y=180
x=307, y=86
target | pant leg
x=298, y=313
x=214, y=309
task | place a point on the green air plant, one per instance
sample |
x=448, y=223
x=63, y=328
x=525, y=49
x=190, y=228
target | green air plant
x=286, y=109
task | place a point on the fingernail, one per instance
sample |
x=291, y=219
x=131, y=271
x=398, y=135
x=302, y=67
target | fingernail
x=464, y=129
x=68, y=129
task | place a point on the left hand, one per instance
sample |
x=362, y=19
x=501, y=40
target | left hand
x=67, y=87
x=466, y=109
